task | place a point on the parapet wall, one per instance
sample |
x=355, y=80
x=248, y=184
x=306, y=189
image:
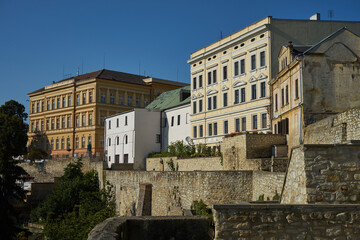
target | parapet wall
x=186, y=164
x=280, y=221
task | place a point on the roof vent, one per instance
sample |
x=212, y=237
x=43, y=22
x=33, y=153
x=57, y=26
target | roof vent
x=315, y=17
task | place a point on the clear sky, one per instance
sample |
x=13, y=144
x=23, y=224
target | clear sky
x=42, y=40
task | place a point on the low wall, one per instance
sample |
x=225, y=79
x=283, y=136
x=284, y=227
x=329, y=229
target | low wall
x=174, y=192
x=268, y=184
x=323, y=174
x=278, y=221
x=186, y=164
x=48, y=170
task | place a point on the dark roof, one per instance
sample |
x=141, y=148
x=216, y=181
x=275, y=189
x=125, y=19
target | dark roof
x=108, y=75
x=300, y=48
x=171, y=99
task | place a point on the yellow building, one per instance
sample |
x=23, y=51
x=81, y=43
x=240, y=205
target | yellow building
x=229, y=78
x=67, y=115
x=315, y=82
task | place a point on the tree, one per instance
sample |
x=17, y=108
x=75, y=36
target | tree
x=13, y=138
x=76, y=205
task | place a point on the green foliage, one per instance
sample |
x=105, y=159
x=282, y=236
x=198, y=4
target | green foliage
x=13, y=138
x=171, y=165
x=200, y=208
x=160, y=154
x=36, y=153
x=76, y=205
x=261, y=197
x=276, y=197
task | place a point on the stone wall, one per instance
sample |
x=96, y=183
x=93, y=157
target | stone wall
x=174, y=192
x=186, y=164
x=336, y=129
x=50, y=169
x=323, y=174
x=267, y=184
x=275, y=221
x=244, y=151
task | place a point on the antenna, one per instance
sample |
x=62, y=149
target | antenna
x=221, y=35
x=78, y=71
x=331, y=14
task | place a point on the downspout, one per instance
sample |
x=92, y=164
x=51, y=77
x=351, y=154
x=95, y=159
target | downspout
x=161, y=130
x=299, y=59
x=73, y=119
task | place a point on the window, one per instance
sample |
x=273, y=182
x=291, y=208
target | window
x=84, y=98
x=112, y=98
x=282, y=97
x=201, y=131
x=254, y=122
x=83, y=142
x=52, y=144
x=47, y=125
x=209, y=103
x=263, y=120
x=109, y=141
x=242, y=90
x=157, y=138
x=262, y=59
x=64, y=102
x=214, y=76
x=200, y=81
x=212, y=103
x=146, y=102
x=224, y=72
x=194, y=83
x=242, y=66
x=63, y=122
x=53, y=104
x=215, y=129
x=37, y=126
x=117, y=122
x=68, y=143
x=243, y=124
x=89, y=139
x=138, y=102
x=48, y=105
x=262, y=89
x=126, y=139
x=126, y=122
x=253, y=62
x=200, y=105
x=225, y=99
x=236, y=96
x=195, y=132
x=52, y=124
x=58, y=123
x=226, y=126
x=287, y=94
x=58, y=102
x=68, y=122
x=57, y=144
x=69, y=101
x=276, y=102
x=103, y=97
x=237, y=125
x=178, y=120
x=194, y=107
x=77, y=121
x=253, y=91
x=90, y=119
x=83, y=120
x=33, y=107
x=42, y=125
x=210, y=129
x=37, y=107
x=77, y=99
x=90, y=97
x=109, y=124
x=130, y=100
x=236, y=68
x=62, y=143
x=209, y=78
x=121, y=99
x=296, y=89
x=42, y=106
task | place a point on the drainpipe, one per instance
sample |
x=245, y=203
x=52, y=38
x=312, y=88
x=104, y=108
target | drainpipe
x=73, y=118
x=161, y=130
x=299, y=59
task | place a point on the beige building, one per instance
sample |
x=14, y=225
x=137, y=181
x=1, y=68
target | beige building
x=315, y=82
x=229, y=78
x=68, y=115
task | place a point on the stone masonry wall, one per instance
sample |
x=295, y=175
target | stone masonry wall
x=267, y=184
x=336, y=129
x=332, y=175
x=174, y=192
x=187, y=164
x=275, y=221
x=260, y=145
x=48, y=170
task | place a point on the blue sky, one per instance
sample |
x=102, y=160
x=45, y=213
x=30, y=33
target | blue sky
x=42, y=39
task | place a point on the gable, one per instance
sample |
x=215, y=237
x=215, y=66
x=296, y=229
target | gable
x=239, y=83
x=339, y=52
x=252, y=79
x=211, y=91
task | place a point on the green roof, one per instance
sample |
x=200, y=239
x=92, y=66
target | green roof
x=171, y=99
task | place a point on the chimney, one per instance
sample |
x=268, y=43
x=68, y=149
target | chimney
x=315, y=17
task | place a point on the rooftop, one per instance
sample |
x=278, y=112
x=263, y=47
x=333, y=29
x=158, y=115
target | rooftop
x=171, y=99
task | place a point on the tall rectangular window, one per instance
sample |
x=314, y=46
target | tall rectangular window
x=112, y=98
x=48, y=105
x=214, y=76
x=194, y=83
x=194, y=107
x=58, y=102
x=243, y=124
x=253, y=62
x=200, y=81
x=84, y=120
x=68, y=143
x=78, y=99
x=62, y=143
x=210, y=129
x=68, y=122
x=209, y=78
x=195, y=132
x=121, y=99
x=262, y=89
x=287, y=94
x=90, y=97
x=178, y=120
x=103, y=97
x=282, y=97
x=225, y=99
x=263, y=120
x=129, y=100
x=254, y=122
x=77, y=121
x=42, y=106
x=243, y=99
x=214, y=102
x=172, y=121
x=296, y=89
x=209, y=103
x=126, y=121
x=53, y=104
x=200, y=105
x=90, y=119
x=84, y=98
x=237, y=125
x=76, y=142
x=138, y=102
x=64, y=102
x=224, y=72
x=226, y=126
x=37, y=107
x=236, y=68
x=276, y=102
x=69, y=101
x=201, y=131
x=58, y=123
x=63, y=122
x=215, y=128
x=253, y=91
x=262, y=59
x=236, y=96
x=242, y=66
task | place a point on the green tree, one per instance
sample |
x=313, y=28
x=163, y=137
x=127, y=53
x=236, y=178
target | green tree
x=75, y=206
x=13, y=138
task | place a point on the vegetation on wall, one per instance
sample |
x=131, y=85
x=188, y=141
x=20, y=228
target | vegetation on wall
x=76, y=205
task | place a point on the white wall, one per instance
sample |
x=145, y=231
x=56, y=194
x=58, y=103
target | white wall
x=175, y=132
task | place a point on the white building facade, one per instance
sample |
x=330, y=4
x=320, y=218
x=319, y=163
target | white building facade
x=131, y=136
